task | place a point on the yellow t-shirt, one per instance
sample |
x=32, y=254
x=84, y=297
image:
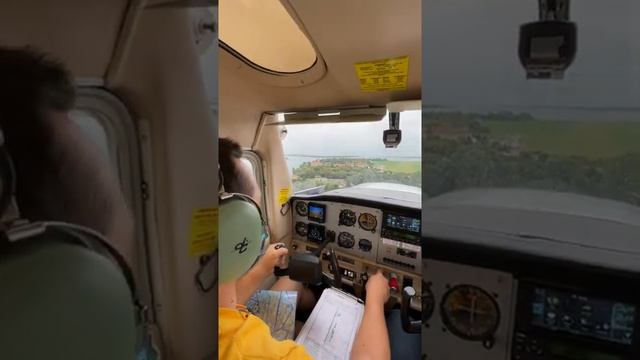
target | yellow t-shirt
x=245, y=336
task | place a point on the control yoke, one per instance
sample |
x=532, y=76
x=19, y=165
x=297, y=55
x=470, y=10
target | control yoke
x=305, y=267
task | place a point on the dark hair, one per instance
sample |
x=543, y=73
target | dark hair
x=235, y=180
x=32, y=83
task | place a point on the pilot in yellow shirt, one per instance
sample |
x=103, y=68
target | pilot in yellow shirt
x=245, y=336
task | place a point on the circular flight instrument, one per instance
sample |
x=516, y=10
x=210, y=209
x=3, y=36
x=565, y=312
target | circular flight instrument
x=347, y=218
x=367, y=222
x=301, y=208
x=346, y=240
x=470, y=313
x=364, y=245
x=315, y=233
x=301, y=228
x=428, y=302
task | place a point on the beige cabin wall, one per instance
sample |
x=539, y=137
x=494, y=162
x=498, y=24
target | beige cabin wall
x=161, y=78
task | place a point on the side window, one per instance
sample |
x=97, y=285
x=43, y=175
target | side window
x=249, y=164
x=97, y=133
x=107, y=123
x=255, y=163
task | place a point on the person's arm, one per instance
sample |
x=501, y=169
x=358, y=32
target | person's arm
x=372, y=340
x=251, y=281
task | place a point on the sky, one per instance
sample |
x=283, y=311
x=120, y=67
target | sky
x=470, y=57
x=354, y=139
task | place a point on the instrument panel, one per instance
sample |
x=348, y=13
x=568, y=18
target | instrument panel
x=356, y=229
x=484, y=313
x=553, y=278
x=365, y=238
x=384, y=237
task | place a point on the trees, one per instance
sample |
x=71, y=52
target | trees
x=457, y=164
x=336, y=173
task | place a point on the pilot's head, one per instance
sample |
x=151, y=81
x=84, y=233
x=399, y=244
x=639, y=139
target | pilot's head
x=242, y=229
x=238, y=177
x=33, y=85
x=61, y=175
x=59, y=278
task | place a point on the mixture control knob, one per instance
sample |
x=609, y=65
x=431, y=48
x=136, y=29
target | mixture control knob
x=393, y=283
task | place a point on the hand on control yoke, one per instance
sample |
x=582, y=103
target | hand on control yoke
x=377, y=288
x=273, y=257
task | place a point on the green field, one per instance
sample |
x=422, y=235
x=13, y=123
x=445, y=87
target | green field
x=406, y=167
x=589, y=139
x=339, y=173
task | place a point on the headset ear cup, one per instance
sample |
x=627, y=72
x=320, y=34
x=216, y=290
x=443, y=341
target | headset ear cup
x=241, y=229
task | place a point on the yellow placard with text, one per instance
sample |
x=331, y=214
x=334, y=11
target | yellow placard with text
x=204, y=232
x=283, y=196
x=383, y=75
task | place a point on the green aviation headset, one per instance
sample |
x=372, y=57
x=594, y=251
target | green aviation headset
x=66, y=293
x=243, y=233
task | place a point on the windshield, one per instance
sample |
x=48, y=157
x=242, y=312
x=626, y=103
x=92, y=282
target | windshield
x=323, y=157
x=486, y=125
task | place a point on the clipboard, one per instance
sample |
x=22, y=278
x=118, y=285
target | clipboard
x=331, y=329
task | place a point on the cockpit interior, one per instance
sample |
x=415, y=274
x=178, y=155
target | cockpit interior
x=502, y=208
x=530, y=217
x=316, y=88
